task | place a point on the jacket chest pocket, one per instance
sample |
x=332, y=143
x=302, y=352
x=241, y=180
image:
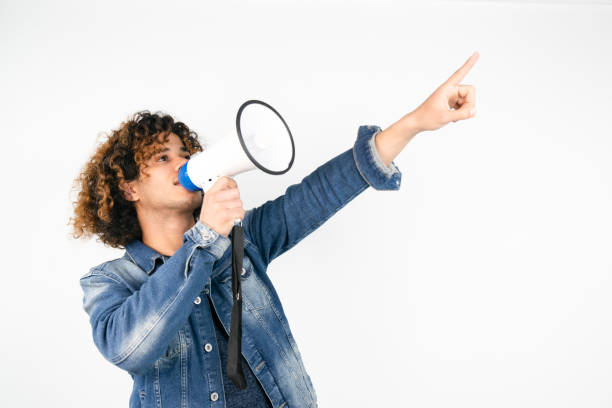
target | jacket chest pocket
x=255, y=295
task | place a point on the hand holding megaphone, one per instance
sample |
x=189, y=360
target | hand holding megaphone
x=222, y=206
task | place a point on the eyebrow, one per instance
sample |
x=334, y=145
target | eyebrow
x=183, y=149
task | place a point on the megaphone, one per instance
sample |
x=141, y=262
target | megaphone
x=262, y=140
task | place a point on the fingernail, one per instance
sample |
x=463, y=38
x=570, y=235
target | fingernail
x=473, y=112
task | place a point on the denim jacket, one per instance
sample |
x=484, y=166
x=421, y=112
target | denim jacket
x=158, y=326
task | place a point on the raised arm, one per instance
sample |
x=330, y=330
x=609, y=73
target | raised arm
x=277, y=225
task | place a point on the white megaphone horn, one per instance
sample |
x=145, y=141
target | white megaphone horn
x=262, y=140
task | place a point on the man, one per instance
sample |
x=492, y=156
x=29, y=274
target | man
x=162, y=311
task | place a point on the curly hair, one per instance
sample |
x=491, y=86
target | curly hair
x=101, y=208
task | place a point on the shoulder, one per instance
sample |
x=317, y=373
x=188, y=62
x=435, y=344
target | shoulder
x=121, y=270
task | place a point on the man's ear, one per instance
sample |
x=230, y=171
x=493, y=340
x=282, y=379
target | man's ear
x=128, y=191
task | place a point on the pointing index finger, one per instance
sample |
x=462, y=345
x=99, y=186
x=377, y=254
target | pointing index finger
x=462, y=72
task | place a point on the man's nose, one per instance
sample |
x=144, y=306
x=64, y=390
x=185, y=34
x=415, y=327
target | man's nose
x=180, y=163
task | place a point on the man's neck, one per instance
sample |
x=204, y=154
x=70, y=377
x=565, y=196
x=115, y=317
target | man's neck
x=164, y=232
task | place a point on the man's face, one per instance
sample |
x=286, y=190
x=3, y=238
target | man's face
x=159, y=189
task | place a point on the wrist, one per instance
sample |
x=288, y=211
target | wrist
x=409, y=125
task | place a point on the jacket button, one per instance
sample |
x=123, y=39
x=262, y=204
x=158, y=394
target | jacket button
x=197, y=300
x=214, y=396
x=243, y=271
x=208, y=347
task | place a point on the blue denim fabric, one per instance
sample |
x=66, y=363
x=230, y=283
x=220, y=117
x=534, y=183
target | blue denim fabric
x=150, y=317
x=253, y=396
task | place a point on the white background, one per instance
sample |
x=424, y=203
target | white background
x=484, y=281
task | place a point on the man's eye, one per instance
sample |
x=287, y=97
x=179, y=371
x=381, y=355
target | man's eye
x=165, y=156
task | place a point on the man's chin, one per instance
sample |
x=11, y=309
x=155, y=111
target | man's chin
x=188, y=203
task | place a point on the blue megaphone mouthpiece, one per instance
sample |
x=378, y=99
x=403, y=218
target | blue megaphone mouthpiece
x=184, y=179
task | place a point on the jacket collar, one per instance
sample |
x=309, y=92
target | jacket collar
x=143, y=255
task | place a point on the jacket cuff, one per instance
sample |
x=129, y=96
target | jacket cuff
x=369, y=163
x=208, y=239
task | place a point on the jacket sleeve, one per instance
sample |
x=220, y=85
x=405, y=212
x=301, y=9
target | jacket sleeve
x=132, y=329
x=277, y=225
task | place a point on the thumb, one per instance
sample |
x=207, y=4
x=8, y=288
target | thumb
x=220, y=184
x=465, y=112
